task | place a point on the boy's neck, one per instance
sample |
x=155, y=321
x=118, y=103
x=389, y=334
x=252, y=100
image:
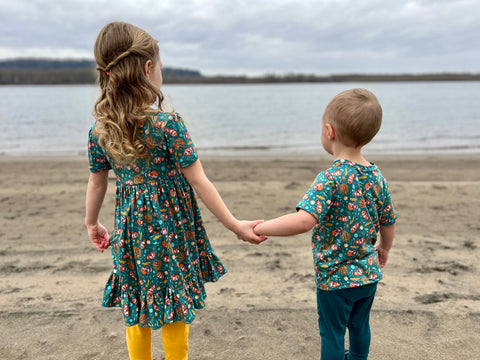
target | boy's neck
x=349, y=153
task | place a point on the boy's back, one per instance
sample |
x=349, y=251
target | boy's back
x=350, y=202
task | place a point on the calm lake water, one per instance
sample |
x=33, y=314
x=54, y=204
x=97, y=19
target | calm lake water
x=418, y=117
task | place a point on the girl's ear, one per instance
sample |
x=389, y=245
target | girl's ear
x=330, y=131
x=148, y=68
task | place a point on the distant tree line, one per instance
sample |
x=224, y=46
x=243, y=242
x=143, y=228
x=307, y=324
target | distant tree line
x=47, y=76
x=302, y=78
x=42, y=71
x=45, y=64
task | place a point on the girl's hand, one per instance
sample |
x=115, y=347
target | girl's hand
x=245, y=232
x=98, y=235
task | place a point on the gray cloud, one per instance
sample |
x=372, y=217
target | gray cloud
x=252, y=37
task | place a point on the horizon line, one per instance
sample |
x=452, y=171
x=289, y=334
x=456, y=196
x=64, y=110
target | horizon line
x=263, y=75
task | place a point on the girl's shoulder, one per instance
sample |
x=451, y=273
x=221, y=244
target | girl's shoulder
x=93, y=133
x=162, y=119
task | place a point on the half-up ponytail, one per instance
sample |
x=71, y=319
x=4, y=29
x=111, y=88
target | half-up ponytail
x=121, y=51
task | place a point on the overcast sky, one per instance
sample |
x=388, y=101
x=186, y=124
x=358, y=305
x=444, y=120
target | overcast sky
x=255, y=37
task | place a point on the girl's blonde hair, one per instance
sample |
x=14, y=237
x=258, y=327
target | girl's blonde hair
x=356, y=115
x=121, y=51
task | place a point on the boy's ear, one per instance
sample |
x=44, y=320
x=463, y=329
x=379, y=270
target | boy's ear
x=330, y=131
x=148, y=68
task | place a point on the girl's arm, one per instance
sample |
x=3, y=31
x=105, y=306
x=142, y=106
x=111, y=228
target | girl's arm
x=387, y=233
x=96, y=189
x=209, y=195
x=287, y=225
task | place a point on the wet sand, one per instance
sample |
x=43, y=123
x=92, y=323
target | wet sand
x=427, y=306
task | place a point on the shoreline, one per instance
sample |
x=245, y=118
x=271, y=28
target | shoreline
x=261, y=156
x=269, y=153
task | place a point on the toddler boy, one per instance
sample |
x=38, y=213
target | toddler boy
x=347, y=205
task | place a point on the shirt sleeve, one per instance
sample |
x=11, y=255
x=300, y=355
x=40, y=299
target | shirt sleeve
x=96, y=155
x=318, y=199
x=179, y=143
x=387, y=214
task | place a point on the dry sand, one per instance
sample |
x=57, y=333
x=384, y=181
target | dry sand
x=427, y=306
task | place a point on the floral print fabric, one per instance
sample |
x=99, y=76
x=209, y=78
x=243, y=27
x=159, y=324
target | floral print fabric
x=350, y=202
x=161, y=253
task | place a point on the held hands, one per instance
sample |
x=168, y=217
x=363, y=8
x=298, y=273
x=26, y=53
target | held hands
x=98, y=235
x=245, y=232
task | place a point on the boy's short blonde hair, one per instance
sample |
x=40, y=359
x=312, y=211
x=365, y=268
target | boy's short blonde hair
x=356, y=116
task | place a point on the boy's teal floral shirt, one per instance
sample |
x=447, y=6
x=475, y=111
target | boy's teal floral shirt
x=350, y=202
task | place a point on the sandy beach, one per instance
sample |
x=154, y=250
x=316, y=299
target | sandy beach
x=427, y=306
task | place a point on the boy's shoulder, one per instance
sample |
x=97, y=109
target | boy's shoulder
x=341, y=169
x=338, y=170
x=345, y=171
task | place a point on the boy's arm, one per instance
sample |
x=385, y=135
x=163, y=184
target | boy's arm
x=291, y=224
x=387, y=233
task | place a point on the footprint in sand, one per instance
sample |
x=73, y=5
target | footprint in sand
x=451, y=267
x=440, y=297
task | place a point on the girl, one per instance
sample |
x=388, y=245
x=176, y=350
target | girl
x=161, y=254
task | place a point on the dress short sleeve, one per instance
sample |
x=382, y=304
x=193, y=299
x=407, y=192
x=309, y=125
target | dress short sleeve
x=179, y=143
x=96, y=155
x=318, y=199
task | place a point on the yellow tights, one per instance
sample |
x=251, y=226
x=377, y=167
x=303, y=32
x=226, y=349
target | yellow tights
x=175, y=341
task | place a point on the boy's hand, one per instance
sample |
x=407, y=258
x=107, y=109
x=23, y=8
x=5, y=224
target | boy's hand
x=98, y=235
x=385, y=244
x=245, y=232
x=382, y=256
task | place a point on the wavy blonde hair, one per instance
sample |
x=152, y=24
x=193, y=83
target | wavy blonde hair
x=121, y=51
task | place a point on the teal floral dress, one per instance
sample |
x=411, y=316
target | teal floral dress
x=161, y=253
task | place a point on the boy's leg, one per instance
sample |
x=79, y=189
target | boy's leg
x=139, y=342
x=358, y=326
x=175, y=341
x=333, y=314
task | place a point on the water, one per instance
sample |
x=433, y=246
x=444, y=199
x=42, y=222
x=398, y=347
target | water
x=418, y=117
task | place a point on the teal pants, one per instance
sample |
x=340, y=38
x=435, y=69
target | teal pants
x=342, y=309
